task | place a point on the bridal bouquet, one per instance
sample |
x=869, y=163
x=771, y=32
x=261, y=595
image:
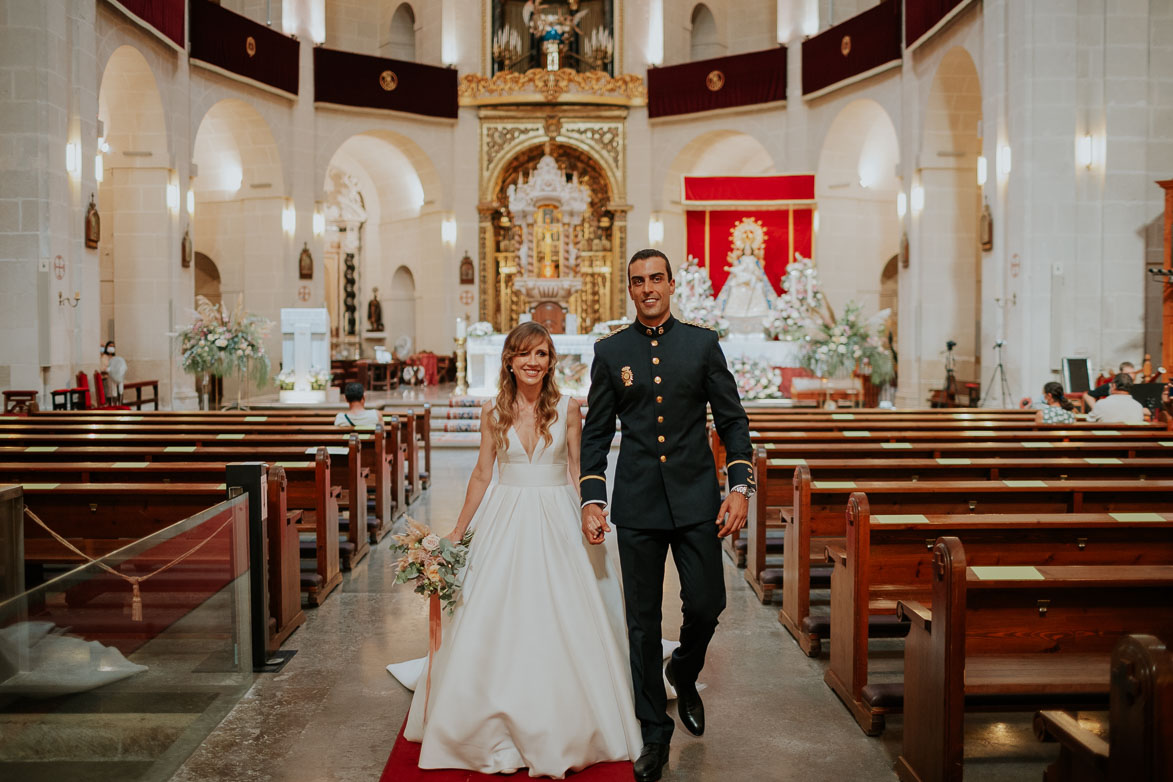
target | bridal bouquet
x=431, y=562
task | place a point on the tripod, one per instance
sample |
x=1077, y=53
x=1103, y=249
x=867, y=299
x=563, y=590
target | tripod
x=1000, y=375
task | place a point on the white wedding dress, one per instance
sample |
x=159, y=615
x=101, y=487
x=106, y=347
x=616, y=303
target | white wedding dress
x=533, y=668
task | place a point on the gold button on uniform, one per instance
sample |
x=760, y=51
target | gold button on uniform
x=655, y=361
x=659, y=419
x=660, y=438
x=663, y=458
x=659, y=399
x=655, y=343
x=657, y=379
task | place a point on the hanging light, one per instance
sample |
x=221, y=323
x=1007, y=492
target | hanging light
x=981, y=170
x=901, y=204
x=918, y=199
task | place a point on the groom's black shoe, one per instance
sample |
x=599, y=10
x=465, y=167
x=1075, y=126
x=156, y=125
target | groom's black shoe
x=651, y=762
x=688, y=703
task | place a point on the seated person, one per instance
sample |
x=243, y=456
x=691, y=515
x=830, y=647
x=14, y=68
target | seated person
x=1102, y=391
x=357, y=415
x=1059, y=409
x=1118, y=407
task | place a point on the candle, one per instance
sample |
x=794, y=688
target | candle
x=461, y=331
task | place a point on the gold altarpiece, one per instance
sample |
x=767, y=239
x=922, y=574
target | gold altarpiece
x=588, y=144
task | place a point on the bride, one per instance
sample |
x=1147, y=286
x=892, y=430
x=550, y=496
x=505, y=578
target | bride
x=533, y=668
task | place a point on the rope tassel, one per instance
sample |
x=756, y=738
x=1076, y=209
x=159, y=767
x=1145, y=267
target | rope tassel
x=136, y=601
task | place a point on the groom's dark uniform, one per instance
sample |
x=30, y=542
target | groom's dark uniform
x=658, y=381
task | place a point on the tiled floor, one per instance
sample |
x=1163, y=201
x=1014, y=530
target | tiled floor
x=333, y=712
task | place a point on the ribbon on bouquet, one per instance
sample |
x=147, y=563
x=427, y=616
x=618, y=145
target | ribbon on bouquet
x=434, y=636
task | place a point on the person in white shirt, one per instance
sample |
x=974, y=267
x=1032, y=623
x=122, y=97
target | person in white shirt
x=357, y=415
x=1118, y=407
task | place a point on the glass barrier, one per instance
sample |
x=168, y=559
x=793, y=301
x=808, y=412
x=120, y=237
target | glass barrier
x=118, y=669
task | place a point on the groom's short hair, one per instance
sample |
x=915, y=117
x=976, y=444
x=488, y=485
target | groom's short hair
x=643, y=255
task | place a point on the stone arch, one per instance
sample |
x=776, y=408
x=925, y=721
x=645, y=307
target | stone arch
x=704, y=38
x=856, y=188
x=727, y=152
x=399, y=146
x=499, y=169
x=400, y=319
x=397, y=31
x=207, y=278
x=236, y=152
x=946, y=231
x=137, y=225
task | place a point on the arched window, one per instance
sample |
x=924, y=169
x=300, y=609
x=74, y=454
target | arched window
x=401, y=41
x=705, y=43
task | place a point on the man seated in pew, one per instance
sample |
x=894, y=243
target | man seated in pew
x=1104, y=389
x=1058, y=408
x=1118, y=407
x=358, y=414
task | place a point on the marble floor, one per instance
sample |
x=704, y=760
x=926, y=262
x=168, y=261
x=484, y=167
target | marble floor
x=333, y=712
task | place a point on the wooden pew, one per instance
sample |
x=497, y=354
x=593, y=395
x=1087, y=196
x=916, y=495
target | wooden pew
x=819, y=518
x=285, y=614
x=1140, y=722
x=889, y=558
x=1019, y=639
x=322, y=522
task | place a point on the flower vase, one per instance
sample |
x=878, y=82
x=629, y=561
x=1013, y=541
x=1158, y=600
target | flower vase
x=203, y=386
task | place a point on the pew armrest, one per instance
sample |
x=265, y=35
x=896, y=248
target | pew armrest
x=1062, y=727
x=916, y=613
x=836, y=554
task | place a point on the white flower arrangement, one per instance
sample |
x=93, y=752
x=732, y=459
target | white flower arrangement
x=694, y=297
x=796, y=312
x=285, y=380
x=755, y=378
x=851, y=343
x=482, y=328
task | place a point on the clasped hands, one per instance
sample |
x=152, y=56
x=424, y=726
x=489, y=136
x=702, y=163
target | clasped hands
x=730, y=518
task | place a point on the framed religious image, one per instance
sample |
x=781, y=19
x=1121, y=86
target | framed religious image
x=467, y=271
x=305, y=263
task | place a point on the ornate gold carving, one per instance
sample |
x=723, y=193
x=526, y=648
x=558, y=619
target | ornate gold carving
x=845, y=45
x=537, y=84
x=499, y=137
x=607, y=138
x=250, y=46
x=388, y=80
x=626, y=375
x=715, y=80
x=552, y=126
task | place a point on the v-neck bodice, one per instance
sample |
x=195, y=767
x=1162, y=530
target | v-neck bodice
x=513, y=463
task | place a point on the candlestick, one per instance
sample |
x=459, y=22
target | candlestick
x=461, y=329
x=461, y=365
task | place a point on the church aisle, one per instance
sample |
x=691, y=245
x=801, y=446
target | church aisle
x=333, y=712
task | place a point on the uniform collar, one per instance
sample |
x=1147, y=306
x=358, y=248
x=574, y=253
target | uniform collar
x=654, y=331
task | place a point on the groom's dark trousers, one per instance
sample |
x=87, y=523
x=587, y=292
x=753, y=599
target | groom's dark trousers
x=696, y=550
x=660, y=382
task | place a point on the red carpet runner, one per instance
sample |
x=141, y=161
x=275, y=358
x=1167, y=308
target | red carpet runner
x=405, y=755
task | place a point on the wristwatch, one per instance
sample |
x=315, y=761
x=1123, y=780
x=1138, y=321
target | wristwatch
x=745, y=490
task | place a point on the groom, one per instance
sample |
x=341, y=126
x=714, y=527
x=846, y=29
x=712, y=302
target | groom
x=657, y=375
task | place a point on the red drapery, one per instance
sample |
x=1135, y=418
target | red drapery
x=783, y=206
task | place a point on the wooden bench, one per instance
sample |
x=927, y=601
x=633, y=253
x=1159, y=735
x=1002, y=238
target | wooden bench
x=1008, y=639
x=889, y=558
x=137, y=387
x=819, y=518
x=1140, y=722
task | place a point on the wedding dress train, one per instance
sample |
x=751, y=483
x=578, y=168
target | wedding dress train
x=533, y=669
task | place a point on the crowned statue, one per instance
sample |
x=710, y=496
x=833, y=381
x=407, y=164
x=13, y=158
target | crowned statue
x=747, y=298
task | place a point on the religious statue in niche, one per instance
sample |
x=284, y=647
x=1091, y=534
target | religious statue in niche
x=374, y=312
x=467, y=271
x=305, y=263
x=986, y=228
x=747, y=296
x=185, y=249
x=93, y=225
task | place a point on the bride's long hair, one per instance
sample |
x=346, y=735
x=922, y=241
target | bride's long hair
x=523, y=338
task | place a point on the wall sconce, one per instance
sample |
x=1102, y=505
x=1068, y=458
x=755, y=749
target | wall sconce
x=981, y=170
x=815, y=221
x=655, y=231
x=62, y=300
x=99, y=168
x=1004, y=163
x=1083, y=150
x=918, y=199
x=448, y=54
x=289, y=219
x=448, y=231
x=190, y=203
x=319, y=221
x=173, y=198
x=655, y=51
x=73, y=159
x=901, y=204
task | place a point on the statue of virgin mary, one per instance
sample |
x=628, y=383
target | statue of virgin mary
x=747, y=297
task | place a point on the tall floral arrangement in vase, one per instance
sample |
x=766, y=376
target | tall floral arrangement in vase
x=219, y=343
x=850, y=343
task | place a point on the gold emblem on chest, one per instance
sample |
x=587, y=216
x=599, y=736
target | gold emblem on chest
x=626, y=376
